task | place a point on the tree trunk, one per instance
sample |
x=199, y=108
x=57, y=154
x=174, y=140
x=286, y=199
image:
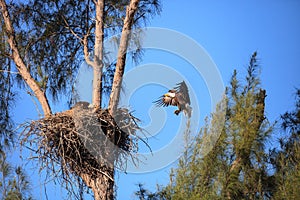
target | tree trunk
x=102, y=185
x=23, y=71
x=98, y=54
x=120, y=65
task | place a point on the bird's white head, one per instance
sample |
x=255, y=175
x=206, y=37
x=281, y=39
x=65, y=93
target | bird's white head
x=170, y=94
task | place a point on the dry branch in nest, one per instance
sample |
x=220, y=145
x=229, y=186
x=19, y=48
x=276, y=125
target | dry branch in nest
x=84, y=142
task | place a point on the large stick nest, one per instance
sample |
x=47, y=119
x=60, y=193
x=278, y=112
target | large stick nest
x=82, y=141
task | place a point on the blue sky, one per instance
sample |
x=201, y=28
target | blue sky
x=229, y=32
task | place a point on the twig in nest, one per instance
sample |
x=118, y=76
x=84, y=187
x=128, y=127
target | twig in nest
x=81, y=141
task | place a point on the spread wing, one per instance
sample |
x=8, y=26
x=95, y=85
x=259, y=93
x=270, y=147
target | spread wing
x=165, y=101
x=182, y=93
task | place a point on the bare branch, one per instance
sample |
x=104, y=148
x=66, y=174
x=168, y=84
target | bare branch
x=7, y=71
x=120, y=66
x=70, y=29
x=98, y=55
x=86, y=49
x=40, y=95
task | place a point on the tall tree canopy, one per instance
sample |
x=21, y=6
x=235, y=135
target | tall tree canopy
x=14, y=183
x=286, y=160
x=52, y=38
x=42, y=45
x=236, y=166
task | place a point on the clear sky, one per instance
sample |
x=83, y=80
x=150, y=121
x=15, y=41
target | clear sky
x=229, y=32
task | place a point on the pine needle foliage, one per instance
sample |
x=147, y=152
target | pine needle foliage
x=42, y=45
x=286, y=161
x=236, y=165
x=14, y=183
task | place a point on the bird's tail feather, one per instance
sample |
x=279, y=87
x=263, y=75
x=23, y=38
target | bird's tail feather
x=188, y=111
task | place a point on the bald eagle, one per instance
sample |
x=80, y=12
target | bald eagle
x=81, y=105
x=179, y=96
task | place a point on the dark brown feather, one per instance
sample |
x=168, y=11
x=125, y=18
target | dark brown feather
x=181, y=98
x=183, y=92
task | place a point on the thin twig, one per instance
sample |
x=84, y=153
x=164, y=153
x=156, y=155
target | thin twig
x=59, y=142
x=7, y=71
x=71, y=30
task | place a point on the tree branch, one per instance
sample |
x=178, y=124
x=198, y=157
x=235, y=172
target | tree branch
x=120, y=65
x=86, y=49
x=7, y=71
x=98, y=54
x=70, y=29
x=39, y=94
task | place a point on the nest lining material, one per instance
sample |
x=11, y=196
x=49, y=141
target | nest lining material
x=83, y=141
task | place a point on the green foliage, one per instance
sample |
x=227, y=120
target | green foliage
x=233, y=165
x=287, y=160
x=7, y=97
x=50, y=39
x=49, y=36
x=14, y=184
x=144, y=194
x=48, y=48
x=238, y=166
x=247, y=130
x=50, y=33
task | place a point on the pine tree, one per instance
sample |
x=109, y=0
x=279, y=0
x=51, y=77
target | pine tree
x=42, y=45
x=14, y=184
x=233, y=166
x=286, y=160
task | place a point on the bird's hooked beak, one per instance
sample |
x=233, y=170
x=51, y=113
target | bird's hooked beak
x=169, y=94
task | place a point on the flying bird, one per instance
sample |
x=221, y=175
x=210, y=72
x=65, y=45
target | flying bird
x=179, y=96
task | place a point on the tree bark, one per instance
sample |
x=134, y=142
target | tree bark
x=121, y=58
x=23, y=71
x=98, y=54
x=101, y=185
